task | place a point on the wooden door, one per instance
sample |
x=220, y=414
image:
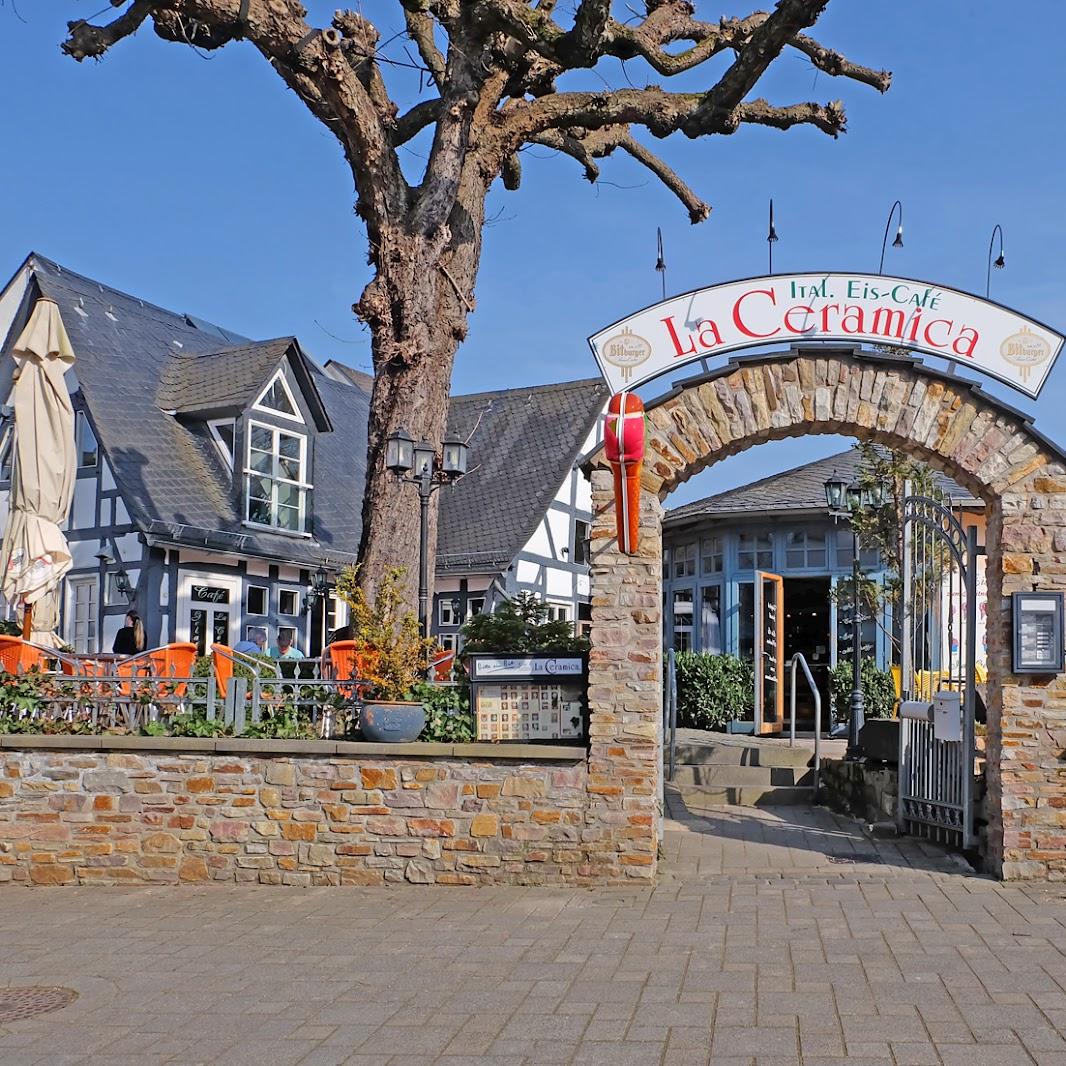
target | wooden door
x=769, y=652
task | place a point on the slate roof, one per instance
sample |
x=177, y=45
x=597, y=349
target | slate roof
x=136, y=363
x=523, y=443
x=168, y=470
x=800, y=489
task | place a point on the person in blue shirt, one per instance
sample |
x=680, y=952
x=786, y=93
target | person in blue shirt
x=253, y=644
x=285, y=648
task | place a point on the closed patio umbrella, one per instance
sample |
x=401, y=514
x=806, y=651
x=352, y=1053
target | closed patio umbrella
x=34, y=554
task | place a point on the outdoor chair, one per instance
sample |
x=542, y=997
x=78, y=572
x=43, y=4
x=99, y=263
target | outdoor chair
x=223, y=660
x=169, y=661
x=442, y=664
x=348, y=660
x=18, y=655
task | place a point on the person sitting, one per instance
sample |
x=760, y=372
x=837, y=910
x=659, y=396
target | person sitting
x=285, y=648
x=130, y=639
x=254, y=643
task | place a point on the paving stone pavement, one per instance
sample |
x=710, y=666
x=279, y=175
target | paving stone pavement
x=754, y=948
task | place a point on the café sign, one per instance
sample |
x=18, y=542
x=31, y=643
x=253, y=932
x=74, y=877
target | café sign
x=851, y=308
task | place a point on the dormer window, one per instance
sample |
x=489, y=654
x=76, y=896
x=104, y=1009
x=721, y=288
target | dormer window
x=277, y=399
x=276, y=479
x=223, y=433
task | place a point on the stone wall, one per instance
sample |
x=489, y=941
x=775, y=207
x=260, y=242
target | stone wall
x=72, y=816
x=863, y=790
x=945, y=421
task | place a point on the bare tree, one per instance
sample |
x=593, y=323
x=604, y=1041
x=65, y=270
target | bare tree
x=491, y=68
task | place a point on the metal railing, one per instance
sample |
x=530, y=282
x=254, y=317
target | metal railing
x=118, y=701
x=670, y=713
x=799, y=660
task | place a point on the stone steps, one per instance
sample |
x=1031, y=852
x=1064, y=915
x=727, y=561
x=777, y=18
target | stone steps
x=716, y=770
x=709, y=797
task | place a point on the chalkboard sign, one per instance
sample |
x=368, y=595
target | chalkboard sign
x=769, y=652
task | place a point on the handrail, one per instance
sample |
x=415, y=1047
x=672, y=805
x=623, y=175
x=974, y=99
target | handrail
x=798, y=658
x=671, y=713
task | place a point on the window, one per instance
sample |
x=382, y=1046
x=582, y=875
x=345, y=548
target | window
x=88, y=449
x=475, y=605
x=711, y=555
x=558, y=612
x=684, y=560
x=682, y=618
x=746, y=620
x=223, y=434
x=711, y=619
x=277, y=399
x=83, y=615
x=447, y=641
x=257, y=599
x=584, y=619
x=333, y=610
x=805, y=549
x=666, y=564
x=7, y=453
x=869, y=558
x=288, y=602
x=756, y=551
x=253, y=633
x=581, y=543
x=276, y=478
x=448, y=611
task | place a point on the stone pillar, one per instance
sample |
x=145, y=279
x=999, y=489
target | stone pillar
x=1027, y=712
x=624, y=820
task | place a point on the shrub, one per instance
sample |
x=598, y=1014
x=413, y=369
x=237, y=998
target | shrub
x=713, y=690
x=878, y=688
x=449, y=719
x=521, y=625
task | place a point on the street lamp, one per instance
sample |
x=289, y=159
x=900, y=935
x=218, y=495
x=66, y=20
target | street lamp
x=848, y=501
x=1000, y=262
x=420, y=465
x=317, y=589
x=771, y=237
x=898, y=242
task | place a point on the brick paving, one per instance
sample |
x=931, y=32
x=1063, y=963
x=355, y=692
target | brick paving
x=754, y=948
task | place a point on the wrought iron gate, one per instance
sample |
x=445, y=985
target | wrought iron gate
x=938, y=664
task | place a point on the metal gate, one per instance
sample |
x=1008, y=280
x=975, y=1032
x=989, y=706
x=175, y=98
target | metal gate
x=938, y=659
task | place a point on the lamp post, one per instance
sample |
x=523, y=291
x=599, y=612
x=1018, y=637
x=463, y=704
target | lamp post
x=1000, y=262
x=771, y=237
x=848, y=501
x=420, y=465
x=898, y=242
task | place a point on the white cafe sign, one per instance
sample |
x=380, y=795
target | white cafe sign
x=853, y=308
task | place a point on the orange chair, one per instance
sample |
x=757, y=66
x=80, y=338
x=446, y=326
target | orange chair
x=348, y=660
x=171, y=660
x=224, y=658
x=442, y=664
x=18, y=655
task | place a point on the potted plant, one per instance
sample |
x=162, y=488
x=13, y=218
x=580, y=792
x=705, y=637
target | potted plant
x=394, y=661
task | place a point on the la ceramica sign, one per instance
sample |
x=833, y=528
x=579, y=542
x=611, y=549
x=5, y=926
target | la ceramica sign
x=853, y=308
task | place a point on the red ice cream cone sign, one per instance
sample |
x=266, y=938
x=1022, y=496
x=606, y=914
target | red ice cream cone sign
x=624, y=445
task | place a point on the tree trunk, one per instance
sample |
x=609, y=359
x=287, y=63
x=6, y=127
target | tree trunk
x=416, y=308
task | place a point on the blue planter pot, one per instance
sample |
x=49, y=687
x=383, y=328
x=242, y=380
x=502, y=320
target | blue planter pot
x=392, y=723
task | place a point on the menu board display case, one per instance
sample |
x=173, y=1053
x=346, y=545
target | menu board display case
x=1038, y=632
x=529, y=698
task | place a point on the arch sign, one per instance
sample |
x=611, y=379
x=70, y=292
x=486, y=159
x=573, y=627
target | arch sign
x=851, y=308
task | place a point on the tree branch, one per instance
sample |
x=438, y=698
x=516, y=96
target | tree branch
x=420, y=30
x=85, y=41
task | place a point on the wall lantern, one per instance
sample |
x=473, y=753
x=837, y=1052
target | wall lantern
x=834, y=493
x=425, y=453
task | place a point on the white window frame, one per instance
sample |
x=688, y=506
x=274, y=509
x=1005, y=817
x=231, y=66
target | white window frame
x=453, y=619
x=471, y=600
x=448, y=641
x=260, y=406
x=266, y=601
x=296, y=601
x=91, y=642
x=81, y=423
x=220, y=444
x=303, y=485
x=185, y=605
x=558, y=612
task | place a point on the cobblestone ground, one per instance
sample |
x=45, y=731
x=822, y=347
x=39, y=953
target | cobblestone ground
x=774, y=937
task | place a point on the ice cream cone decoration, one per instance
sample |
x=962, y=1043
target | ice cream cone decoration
x=624, y=444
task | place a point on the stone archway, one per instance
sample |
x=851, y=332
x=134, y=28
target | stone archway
x=983, y=444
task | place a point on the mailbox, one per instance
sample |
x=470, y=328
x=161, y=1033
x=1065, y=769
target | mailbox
x=947, y=716
x=528, y=697
x=1038, y=637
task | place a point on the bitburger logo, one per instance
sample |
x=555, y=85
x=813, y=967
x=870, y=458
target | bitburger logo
x=626, y=350
x=1025, y=350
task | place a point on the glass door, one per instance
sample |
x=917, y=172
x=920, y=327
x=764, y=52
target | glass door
x=210, y=609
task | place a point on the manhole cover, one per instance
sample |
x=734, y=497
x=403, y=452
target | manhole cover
x=857, y=857
x=25, y=1002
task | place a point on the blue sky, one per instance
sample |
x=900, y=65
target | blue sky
x=204, y=185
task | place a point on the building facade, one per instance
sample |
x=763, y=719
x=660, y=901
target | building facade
x=220, y=480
